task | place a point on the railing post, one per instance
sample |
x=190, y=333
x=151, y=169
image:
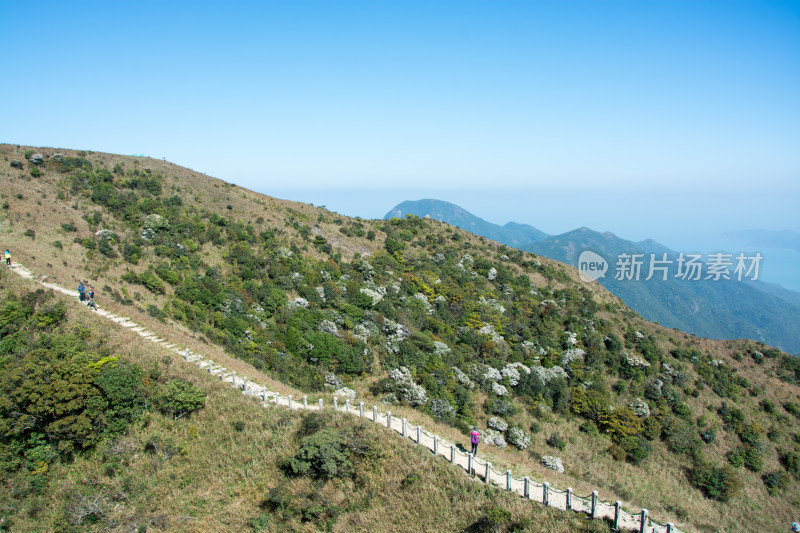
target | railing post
x=508, y=479
x=404, y=428
x=389, y=419
x=264, y=394
x=487, y=477
x=335, y=402
x=289, y=403
x=526, y=488
x=320, y=404
x=277, y=398
x=670, y=527
x=375, y=413
x=452, y=454
x=643, y=525
x=244, y=384
x=305, y=402
x=361, y=409
x=569, y=498
x=233, y=378
x=186, y=354
x=617, y=507
x=546, y=494
x=347, y=405
x=469, y=464
x=419, y=433
x=435, y=445
x=594, y=504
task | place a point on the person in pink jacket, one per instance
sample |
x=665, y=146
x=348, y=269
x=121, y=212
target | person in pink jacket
x=475, y=438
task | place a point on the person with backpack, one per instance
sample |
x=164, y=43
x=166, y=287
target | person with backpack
x=8, y=257
x=475, y=438
x=90, y=298
x=81, y=292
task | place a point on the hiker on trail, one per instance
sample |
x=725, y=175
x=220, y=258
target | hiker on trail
x=8, y=257
x=81, y=292
x=475, y=438
x=90, y=298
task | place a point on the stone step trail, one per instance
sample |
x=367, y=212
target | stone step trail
x=472, y=465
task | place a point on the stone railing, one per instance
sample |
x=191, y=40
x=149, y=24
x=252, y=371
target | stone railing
x=475, y=466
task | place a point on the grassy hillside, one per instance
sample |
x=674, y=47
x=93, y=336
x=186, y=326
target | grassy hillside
x=450, y=329
x=230, y=465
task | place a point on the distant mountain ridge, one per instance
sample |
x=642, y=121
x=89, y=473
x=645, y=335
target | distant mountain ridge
x=716, y=309
x=512, y=234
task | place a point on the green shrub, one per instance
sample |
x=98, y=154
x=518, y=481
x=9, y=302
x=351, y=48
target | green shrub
x=716, y=483
x=681, y=436
x=180, y=398
x=617, y=452
x=621, y=424
x=767, y=406
x=791, y=462
x=170, y=276
x=736, y=458
x=322, y=454
x=122, y=386
x=753, y=459
x=130, y=277
x=151, y=282
x=638, y=449
x=775, y=482
x=260, y=523
x=682, y=409
x=708, y=435
x=36, y=172
x=651, y=428
x=556, y=441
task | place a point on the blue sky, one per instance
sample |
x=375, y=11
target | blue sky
x=672, y=120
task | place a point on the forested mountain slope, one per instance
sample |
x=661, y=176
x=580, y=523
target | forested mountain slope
x=434, y=322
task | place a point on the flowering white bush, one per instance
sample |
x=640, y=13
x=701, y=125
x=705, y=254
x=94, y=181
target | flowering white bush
x=518, y=438
x=440, y=348
x=497, y=423
x=512, y=372
x=640, y=407
x=332, y=381
x=424, y=299
x=573, y=354
x=546, y=374
x=409, y=391
x=495, y=438
x=463, y=378
x=442, y=409
x=489, y=331
x=346, y=393
x=375, y=295
x=326, y=326
x=499, y=390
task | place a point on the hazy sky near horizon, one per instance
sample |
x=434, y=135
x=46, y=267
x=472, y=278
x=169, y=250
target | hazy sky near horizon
x=646, y=118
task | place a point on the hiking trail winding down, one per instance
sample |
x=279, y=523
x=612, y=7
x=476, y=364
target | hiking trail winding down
x=472, y=465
